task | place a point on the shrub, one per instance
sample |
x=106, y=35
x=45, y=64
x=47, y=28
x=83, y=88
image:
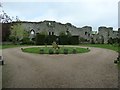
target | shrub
x=22, y=49
x=26, y=41
x=65, y=51
x=50, y=38
x=51, y=51
x=74, y=40
x=57, y=51
x=41, y=51
x=74, y=51
x=63, y=40
x=87, y=48
x=40, y=39
x=68, y=40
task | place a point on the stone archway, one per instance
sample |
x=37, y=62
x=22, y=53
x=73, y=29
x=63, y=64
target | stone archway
x=32, y=31
x=32, y=34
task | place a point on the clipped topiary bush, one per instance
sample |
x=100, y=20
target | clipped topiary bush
x=74, y=40
x=65, y=51
x=41, y=51
x=50, y=39
x=39, y=39
x=22, y=49
x=57, y=52
x=88, y=49
x=63, y=40
x=51, y=51
x=74, y=51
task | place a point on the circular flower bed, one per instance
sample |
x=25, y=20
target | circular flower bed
x=50, y=50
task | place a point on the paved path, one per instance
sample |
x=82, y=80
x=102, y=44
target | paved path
x=94, y=69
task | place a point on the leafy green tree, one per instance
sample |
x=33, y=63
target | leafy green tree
x=17, y=33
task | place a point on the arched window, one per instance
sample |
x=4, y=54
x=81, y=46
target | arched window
x=49, y=24
x=32, y=32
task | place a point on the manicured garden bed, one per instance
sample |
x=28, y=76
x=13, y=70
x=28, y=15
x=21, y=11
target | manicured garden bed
x=50, y=50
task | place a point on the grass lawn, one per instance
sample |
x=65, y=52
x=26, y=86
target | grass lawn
x=10, y=46
x=107, y=46
x=79, y=50
x=61, y=50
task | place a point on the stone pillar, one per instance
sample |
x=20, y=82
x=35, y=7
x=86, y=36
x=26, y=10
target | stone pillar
x=0, y=55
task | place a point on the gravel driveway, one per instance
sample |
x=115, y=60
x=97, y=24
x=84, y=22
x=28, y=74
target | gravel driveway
x=94, y=69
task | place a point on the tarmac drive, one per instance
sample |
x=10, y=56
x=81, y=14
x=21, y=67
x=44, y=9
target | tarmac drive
x=95, y=69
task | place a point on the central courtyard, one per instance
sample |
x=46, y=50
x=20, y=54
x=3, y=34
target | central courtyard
x=94, y=69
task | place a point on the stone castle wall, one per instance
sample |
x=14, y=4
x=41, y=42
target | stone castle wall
x=55, y=28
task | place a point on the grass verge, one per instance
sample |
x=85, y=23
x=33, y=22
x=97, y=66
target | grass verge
x=5, y=46
x=106, y=46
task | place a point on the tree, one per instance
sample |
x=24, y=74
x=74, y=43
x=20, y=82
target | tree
x=17, y=33
x=6, y=21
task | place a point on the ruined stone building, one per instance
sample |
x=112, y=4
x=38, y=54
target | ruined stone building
x=55, y=28
x=105, y=33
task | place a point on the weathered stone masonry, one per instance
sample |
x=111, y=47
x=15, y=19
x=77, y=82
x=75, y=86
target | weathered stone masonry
x=55, y=28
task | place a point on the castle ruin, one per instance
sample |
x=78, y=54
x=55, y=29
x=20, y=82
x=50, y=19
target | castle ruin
x=55, y=28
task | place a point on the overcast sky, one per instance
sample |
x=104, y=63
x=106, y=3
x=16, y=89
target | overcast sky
x=80, y=13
